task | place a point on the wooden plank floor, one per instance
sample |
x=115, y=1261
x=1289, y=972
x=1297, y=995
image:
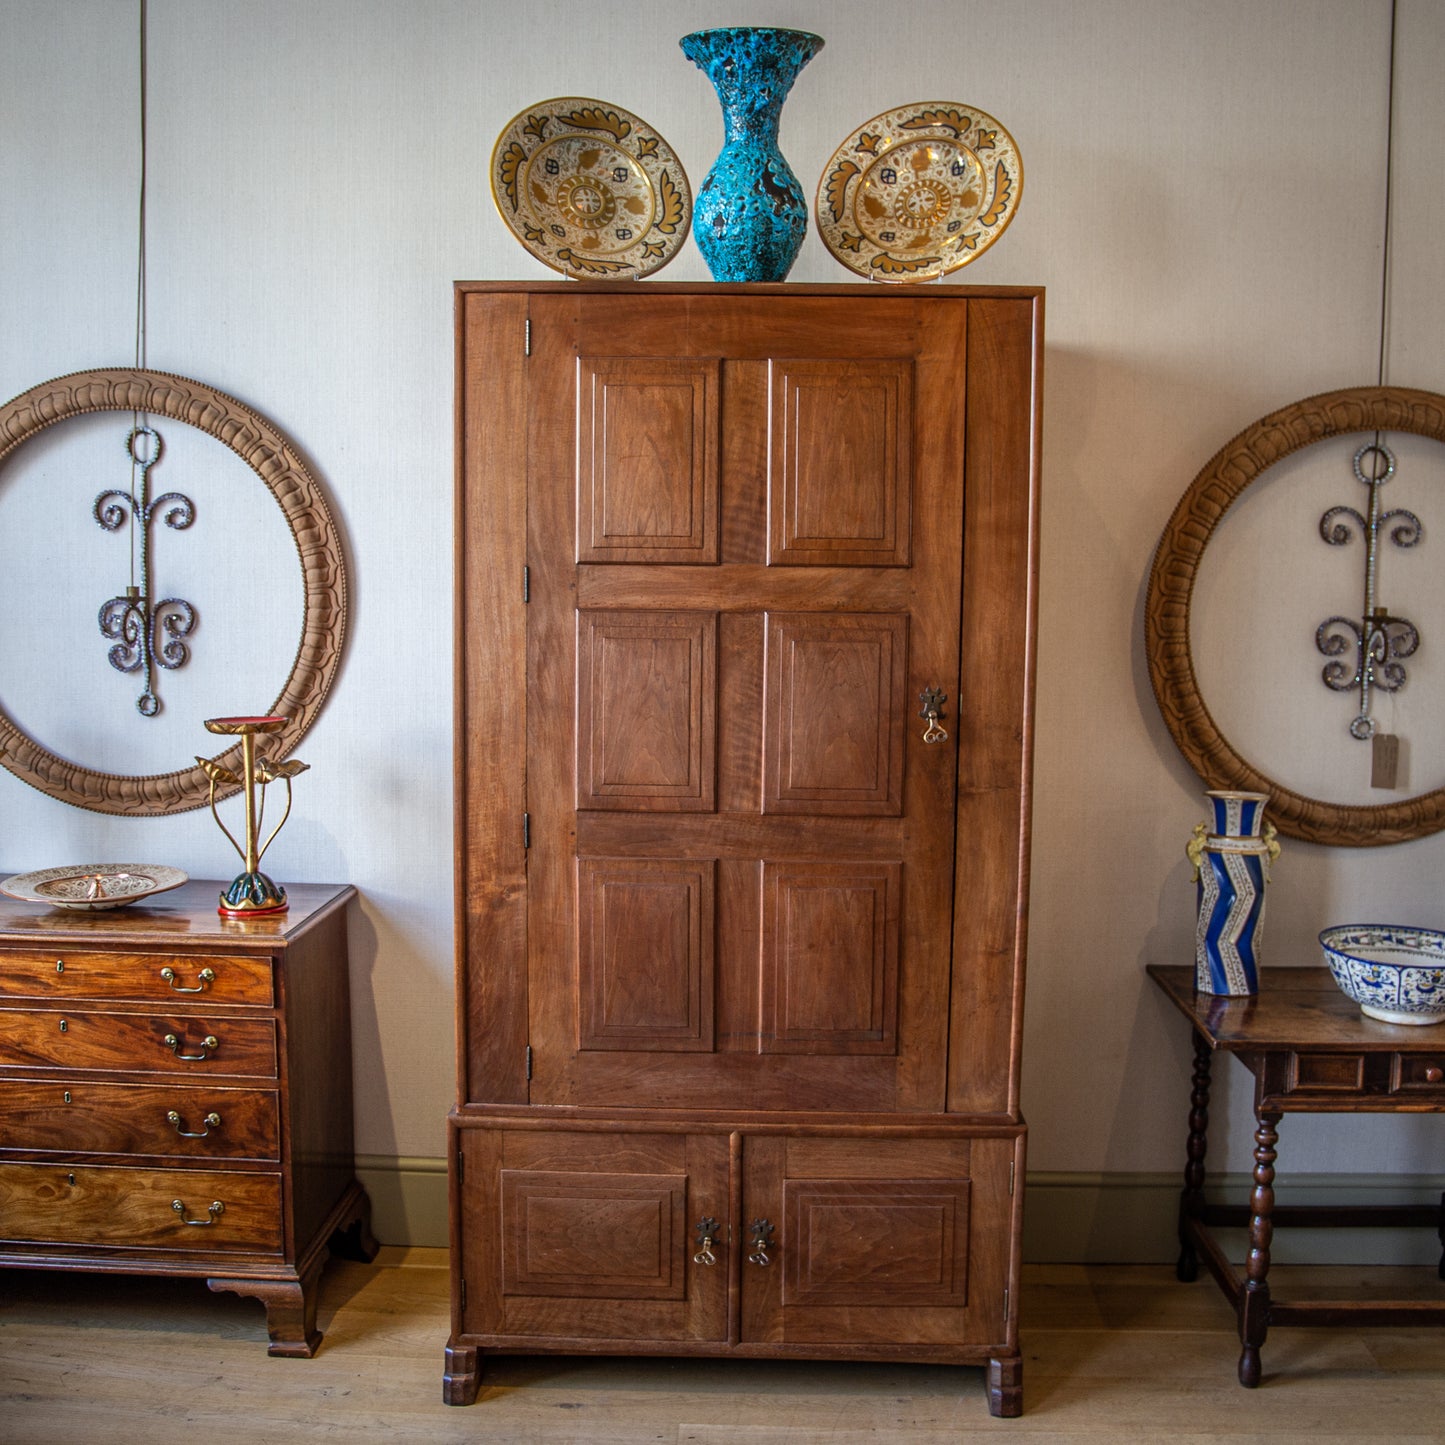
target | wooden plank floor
x=1111, y=1354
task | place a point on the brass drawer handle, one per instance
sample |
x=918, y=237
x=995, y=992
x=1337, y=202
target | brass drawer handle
x=208, y=1043
x=204, y=977
x=211, y=1121
x=760, y=1237
x=706, y=1231
x=214, y=1212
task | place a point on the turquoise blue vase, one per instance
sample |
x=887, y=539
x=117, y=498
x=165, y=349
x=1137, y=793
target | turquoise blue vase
x=750, y=215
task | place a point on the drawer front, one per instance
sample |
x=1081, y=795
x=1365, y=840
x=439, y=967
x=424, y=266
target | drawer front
x=157, y=1043
x=136, y=1208
x=1332, y=1073
x=1419, y=1074
x=77, y=1117
x=78, y=974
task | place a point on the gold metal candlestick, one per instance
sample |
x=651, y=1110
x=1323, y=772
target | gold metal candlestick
x=251, y=893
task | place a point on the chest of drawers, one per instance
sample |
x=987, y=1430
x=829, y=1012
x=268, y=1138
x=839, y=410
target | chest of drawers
x=175, y=1096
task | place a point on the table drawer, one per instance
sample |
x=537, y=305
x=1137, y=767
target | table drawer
x=1422, y=1074
x=63, y=973
x=159, y=1043
x=136, y=1208
x=77, y=1117
x=1342, y=1072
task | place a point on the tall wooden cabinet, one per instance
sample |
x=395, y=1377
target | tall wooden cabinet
x=740, y=930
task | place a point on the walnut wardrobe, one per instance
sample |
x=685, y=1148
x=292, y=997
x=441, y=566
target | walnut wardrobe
x=745, y=619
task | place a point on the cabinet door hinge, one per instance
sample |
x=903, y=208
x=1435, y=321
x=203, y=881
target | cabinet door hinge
x=1012, y=1166
x=1005, y=1304
x=526, y=584
x=527, y=337
x=526, y=830
x=464, y=1294
x=529, y=1061
x=461, y=1166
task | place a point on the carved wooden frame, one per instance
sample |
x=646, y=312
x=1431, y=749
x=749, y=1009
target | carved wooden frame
x=1171, y=588
x=267, y=452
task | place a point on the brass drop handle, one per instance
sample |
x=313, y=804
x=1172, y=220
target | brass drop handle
x=933, y=700
x=706, y=1232
x=213, y=1213
x=760, y=1238
x=204, y=977
x=207, y=1044
x=211, y=1121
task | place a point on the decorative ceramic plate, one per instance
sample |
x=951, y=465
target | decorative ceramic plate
x=591, y=190
x=93, y=885
x=919, y=191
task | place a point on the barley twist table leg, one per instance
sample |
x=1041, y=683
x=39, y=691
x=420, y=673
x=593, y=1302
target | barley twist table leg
x=1191, y=1200
x=1254, y=1307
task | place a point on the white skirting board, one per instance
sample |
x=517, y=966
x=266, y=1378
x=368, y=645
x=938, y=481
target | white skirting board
x=1068, y=1218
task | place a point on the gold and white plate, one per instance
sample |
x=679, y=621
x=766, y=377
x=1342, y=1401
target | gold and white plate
x=919, y=191
x=591, y=190
x=93, y=886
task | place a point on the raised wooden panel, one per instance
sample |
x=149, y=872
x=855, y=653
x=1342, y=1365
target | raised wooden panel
x=645, y=953
x=861, y=1242
x=646, y=710
x=647, y=445
x=834, y=713
x=830, y=958
x=597, y=1236
x=839, y=483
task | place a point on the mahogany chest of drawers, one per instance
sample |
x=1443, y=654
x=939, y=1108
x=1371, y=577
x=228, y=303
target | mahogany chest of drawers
x=175, y=1096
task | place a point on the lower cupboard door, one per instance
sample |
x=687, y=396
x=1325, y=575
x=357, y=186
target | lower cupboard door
x=877, y=1243
x=592, y=1236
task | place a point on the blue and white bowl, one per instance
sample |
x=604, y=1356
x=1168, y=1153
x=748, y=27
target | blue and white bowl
x=1394, y=972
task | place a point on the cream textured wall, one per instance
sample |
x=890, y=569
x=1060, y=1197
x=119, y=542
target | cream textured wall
x=1204, y=200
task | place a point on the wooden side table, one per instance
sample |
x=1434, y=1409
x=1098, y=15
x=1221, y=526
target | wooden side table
x=1311, y=1051
x=175, y=1096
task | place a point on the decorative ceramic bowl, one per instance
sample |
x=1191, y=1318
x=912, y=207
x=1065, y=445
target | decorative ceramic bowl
x=1394, y=972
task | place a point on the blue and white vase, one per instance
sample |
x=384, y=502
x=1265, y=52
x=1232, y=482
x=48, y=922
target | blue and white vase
x=749, y=216
x=1231, y=862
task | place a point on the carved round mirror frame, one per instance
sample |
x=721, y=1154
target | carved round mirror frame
x=267, y=452
x=1171, y=586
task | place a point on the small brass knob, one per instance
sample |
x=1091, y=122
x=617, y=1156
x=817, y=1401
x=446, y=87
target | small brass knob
x=1434, y=1073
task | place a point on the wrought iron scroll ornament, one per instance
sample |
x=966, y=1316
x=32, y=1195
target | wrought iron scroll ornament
x=1378, y=640
x=1218, y=486
x=318, y=544
x=147, y=634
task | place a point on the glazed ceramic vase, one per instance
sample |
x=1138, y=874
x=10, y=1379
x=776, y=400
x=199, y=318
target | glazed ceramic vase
x=1231, y=854
x=750, y=215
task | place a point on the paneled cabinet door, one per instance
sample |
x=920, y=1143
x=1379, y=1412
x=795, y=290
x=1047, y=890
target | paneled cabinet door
x=591, y=1237
x=744, y=536
x=875, y=1242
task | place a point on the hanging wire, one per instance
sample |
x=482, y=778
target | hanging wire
x=1385, y=277
x=140, y=419
x=140, y=278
